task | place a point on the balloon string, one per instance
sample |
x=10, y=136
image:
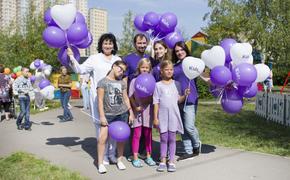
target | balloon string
x=97, y=120
x=186, y=97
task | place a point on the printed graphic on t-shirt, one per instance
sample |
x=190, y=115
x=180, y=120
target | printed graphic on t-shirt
x=115, y=94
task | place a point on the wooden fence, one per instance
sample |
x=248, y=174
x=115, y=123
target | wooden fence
x=274, y=107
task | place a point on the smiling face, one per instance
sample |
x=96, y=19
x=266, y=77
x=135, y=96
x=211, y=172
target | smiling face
x=180, y=52
x=141, y=45
x=160, y=51
x=107, y=47
x=145, y=68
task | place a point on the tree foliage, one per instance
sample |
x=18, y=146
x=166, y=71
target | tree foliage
x=263, y=23
x=23, y=48
x=126, y=42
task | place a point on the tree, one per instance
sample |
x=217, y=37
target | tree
x=263, y=23
x=23, y=48
x=126, y=42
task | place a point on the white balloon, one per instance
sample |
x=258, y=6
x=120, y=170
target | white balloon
x=240, y=52
x=263, y=72
x=32, y=66
x=192, y=67
x=63, y=15
x=47, y=70
x=48, y=92
x=214, y=57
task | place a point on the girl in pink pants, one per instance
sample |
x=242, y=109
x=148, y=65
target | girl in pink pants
x=143, y=110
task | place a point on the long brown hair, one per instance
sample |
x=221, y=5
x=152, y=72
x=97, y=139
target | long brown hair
x=167, y=54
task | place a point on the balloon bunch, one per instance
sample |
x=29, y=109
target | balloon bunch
x=66, y=28
x=42, y=72
x=233, y=74
x=159, y=27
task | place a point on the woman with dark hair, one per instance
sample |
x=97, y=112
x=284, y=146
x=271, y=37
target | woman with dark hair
x=190, y=138
x=97, y=66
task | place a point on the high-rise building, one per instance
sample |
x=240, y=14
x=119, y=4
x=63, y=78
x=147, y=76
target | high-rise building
x=98, y=25
x=82, y=7
x=8, y=15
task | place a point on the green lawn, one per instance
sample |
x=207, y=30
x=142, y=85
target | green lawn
x=52, y=104
x=26, y=167
x=244, y=130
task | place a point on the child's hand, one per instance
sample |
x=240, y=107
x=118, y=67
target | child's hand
x=186, y=91
x=156, y=123
x=139, y=109
x=104, y=122
x=131, y=118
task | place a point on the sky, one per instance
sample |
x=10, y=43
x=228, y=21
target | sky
x=189, y=12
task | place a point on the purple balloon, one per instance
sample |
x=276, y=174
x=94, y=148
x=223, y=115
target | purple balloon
x=54, y=37
x=87, y=42
x=248, y=92
x=168, y=22
x=151, y=19
x=80, y=18
x=244, y=74
x=231, y=102
x=226, y=44
x=172, y=38
x=48, y=19
x=145, y=85
x=119, y=131
x=138, y=22
x=32, y=79
x=229, y=65
x=37, y=63
x=77, y=32
x=64, y=58
x=220, y=75
x=43, y=83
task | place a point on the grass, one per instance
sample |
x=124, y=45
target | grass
x=25, y=166
x=51, y=104
x=244, y=130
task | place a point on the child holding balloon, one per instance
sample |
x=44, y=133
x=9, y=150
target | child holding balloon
x=167, y=117
x=143, y=111
x=113, y=105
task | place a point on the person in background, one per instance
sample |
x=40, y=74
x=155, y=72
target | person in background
x=5, y=96
x=64, y=84
x=84, y=84
x=23, y=89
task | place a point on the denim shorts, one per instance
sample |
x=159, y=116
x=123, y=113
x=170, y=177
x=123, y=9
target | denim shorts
x=121, y=117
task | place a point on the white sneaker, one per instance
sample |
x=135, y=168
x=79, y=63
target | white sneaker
x=121, y=165
x=102, y=169
x=106, y=162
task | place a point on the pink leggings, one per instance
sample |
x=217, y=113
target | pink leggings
x=147, y=132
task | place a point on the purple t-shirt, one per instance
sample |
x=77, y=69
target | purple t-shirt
x=184, y=81
x=156, y=72
x=132, y=61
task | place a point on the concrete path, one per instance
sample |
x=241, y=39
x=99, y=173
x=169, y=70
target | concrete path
x=73, y=145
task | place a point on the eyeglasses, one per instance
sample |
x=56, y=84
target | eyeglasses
x=121, y=68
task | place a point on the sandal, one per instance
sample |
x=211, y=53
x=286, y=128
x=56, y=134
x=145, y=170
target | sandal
x=150, y=161
x=137, y=163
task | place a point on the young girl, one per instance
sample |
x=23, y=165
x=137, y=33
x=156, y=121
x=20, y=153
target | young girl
x=143, y=111
x=113, y=105
x=166, y=114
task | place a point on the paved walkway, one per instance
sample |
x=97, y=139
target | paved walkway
x=73, y=145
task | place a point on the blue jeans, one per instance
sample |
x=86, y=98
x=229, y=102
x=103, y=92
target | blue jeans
x=121, y=117
x=24, y=103
x=190, y=138
x=64, y=98
x=85, y=93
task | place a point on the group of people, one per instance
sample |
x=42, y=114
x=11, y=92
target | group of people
x=20, y=87
x=171, y=109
